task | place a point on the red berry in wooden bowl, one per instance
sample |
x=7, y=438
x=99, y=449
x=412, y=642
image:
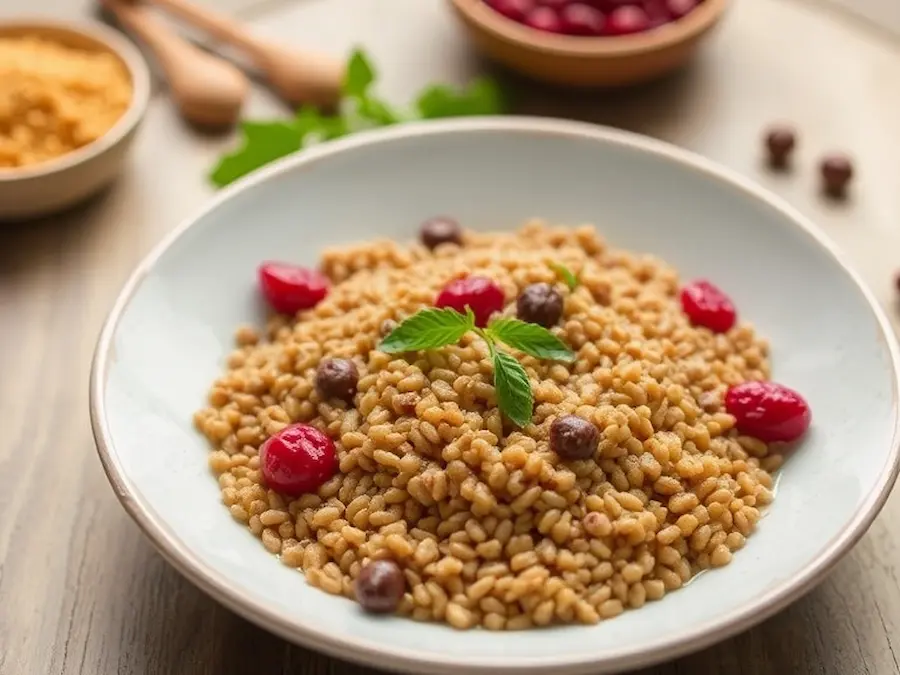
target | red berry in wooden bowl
x=768, y=411
x=593, y=18
x=626, y=20
x=581, y=19
x=707, y=306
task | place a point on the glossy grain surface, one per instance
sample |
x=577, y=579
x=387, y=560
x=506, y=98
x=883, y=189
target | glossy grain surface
x=81, y=590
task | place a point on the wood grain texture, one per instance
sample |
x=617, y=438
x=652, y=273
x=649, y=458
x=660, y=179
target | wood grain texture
x=82, y=592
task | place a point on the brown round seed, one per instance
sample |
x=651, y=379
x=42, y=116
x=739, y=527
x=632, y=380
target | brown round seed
x=541, y=304
x=780, y=144
x=439, y=231
x=573, y=438
x=337, y=378
x=380, y=586
x=837, y=172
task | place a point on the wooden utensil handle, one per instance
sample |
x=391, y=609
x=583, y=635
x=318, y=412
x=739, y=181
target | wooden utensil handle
x=218, y=25
x=167, y=47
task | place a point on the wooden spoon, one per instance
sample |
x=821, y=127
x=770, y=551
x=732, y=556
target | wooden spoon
x=208, y=91
x=298, y=77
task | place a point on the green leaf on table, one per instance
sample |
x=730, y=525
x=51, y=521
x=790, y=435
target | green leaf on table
x=321, y=127
x=376, y=111
x=427, y=329
x=566, y=274
x=481, y=97
x=514, y=396
x=359, y=75
x=530, y=338
x=264, y=142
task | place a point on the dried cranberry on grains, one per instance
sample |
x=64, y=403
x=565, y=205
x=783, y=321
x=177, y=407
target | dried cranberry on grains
x=480, y=293
x=297, y=460
x=289, y=288
x=768, y=411
x=707, y=306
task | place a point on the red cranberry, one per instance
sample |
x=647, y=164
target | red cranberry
x=480, y=293
x=581, y=19
x=657, y=12
x=554, y=4
x=297, y=460
x=545, y=19
x=626, y=20
x=289, y=288
x=707, y=306
x=768, y=411
x=516, y=10
x=678, y=8
x=380, y=586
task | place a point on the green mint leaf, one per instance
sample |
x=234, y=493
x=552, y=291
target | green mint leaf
x=376, y=111
x=566, y=274
x=530, y=338
x=359, y=75
x=514, y=396
x=264, y=142
x=427, y=329
x=481, y=97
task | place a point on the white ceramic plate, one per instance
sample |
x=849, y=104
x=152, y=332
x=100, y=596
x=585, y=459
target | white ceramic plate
x=166, y=338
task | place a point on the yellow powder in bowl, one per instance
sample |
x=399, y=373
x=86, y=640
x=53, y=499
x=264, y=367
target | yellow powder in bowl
x=55, y=99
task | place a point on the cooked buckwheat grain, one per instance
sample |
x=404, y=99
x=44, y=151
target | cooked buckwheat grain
x=490, y=526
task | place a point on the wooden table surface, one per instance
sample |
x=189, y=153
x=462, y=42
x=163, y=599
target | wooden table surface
x=81, y=590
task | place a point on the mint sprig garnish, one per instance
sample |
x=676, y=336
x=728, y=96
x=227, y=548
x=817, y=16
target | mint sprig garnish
x=530, y=338
x=566, y=274
x=514, y=396
x=428, y=329
x=432, y=328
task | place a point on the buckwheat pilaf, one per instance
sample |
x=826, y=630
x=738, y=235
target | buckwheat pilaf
x=489, y=524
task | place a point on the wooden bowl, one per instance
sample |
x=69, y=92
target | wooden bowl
x=42, y=189
x=587, y=61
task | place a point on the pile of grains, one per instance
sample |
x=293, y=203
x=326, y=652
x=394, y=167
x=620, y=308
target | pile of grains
x=489, y=525
x=55, y=99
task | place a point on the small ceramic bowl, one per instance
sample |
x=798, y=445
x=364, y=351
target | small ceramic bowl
x=587, y=61
x=49, y=187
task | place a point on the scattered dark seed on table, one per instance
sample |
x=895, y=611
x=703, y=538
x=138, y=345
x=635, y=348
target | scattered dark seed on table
x=780, y=144
x=337, y=378
x=439, y=231
x=573, y=438
x=836, y=172
x=380, y=586
x=541, y=304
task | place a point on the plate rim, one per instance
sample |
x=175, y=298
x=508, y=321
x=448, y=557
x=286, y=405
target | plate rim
x=360, y=650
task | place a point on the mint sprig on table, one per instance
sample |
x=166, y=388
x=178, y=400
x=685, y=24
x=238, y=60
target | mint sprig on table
x=266, y=141
x=433, y=328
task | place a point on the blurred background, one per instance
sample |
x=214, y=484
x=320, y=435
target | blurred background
x=827, y=70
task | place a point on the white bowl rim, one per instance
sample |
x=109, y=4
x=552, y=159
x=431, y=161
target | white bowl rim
x=357, y=649
x=140, y=95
